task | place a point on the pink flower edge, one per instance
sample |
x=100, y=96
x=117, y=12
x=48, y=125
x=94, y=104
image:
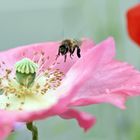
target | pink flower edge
x=110, y=81
x=85, y=120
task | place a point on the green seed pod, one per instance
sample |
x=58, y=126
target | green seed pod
x=26, y=72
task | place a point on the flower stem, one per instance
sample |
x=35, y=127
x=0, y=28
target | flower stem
x=33, y=129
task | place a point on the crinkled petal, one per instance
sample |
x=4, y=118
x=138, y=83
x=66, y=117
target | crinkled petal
x=83, y=69
x=115, y=99
x=111, y=82
x=86, y=121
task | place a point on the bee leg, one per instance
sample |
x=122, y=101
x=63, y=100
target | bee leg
x=65, y=57
x=71, y=52
x=78, y=51
x=71, y=55
x=57, y=55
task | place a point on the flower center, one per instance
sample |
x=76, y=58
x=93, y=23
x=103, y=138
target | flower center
x=26, y=72
x=30, y=88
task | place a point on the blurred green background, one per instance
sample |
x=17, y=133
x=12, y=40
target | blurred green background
x=29, y=21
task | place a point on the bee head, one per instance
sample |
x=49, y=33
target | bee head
x=63, y=49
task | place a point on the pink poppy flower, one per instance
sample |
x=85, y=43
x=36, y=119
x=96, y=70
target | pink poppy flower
x=35, y=86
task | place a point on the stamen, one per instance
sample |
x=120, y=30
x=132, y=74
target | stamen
x=41, y=66
x=27, y=82
x=41, y=59
x=34, y=55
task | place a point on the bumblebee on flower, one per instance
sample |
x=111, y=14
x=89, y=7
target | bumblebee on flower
x=34, y=85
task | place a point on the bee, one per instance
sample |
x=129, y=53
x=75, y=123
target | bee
x=69, y=46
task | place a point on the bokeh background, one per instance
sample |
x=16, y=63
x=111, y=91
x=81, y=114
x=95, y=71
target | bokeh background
x=30, y=21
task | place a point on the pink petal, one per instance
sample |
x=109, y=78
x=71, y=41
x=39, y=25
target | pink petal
x=81, y=71
x=76, y=75
x=95, y=78
x=10, y=118
x=6, y=124
x=85, y=120
x=115, y=99
x=50, y=50
x=118, y=81
x=110, y=82
x=26, y=116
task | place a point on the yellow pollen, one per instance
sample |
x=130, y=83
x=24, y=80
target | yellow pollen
x=45, y=80
x=49, y=80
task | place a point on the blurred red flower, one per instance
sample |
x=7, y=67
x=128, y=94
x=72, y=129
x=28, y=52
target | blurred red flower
x=133, y=23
